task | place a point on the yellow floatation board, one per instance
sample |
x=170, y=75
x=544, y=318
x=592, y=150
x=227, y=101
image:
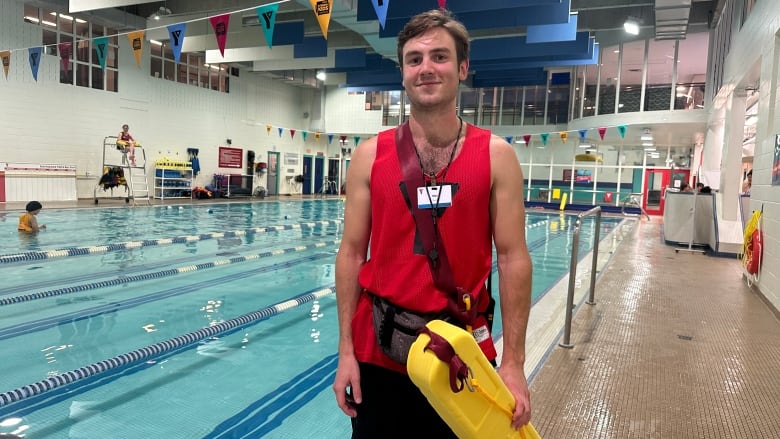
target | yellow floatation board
x=483, y=409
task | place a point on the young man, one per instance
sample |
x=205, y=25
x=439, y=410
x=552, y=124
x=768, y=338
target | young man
x=486, y=185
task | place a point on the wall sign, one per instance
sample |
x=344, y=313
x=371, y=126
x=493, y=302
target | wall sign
x=230, y=157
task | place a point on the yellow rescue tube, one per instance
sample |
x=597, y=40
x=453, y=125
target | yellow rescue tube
x=483, y=408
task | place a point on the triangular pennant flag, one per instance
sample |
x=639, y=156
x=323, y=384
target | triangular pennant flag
x=268, y=129
x=292, y=133
x=322, y=10
x=317, y=136
x=176, y=34
x=137, y=44
x=330, y=139
x=564, y=136
x=64, y=49
x=527, y=139
x=357, y=140
x=442, y=4
x=583, y=133
x=267, y=16
x=280, y=131
x=622, y=130
x=343, y=139
x=35, y=60
x=380, y=7
x=602, y=131
x=220, y=25
x=101, y=48
x=544, y=137
x=508, y=139
x=5, y=56
x=304, y=134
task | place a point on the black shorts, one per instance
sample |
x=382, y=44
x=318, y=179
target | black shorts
x=393, y=407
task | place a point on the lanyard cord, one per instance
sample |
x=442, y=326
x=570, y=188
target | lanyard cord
x=435, y=209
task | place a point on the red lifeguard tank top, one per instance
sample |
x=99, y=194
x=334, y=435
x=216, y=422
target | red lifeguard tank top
x=396, y=268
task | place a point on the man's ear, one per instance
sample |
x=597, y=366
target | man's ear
x=463, y=70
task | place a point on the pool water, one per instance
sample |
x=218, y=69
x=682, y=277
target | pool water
x=125, y=279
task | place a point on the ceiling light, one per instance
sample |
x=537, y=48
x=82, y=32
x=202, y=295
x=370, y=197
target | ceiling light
x=321, y=75
x=585, y=145
x=631, y=26
x=646, y=135
x=519, y=140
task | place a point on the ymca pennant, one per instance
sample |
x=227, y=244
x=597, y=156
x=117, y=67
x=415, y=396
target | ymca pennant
x=544, y=137
x=304, y=134
x=101, y=46
x=35, y=60
x=317, y=136
x=292, y=133
x=380, y=7
x=442, y=4
x=602, y=131
x=330, y=139
x=280, y=131
x=508, y=139
x=176, y=34
x=322, y=10
x=268, y=130
x=357, y=140
x=65, y=55
x=137, y=44
x=267, y=16
x=564, y=136
x=622, y=130
x=527, y=139
x=220, y=25
x=343, y=139
x=5, y=56
x=582, y=135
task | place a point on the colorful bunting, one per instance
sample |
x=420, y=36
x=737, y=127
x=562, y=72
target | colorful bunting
x=330, y=139
x=5, y=56
x=220, y=25
x=564, y=136
x=268, y=129
x=442, y=4
x=602, y=131
x=317, y=136
x=527, y=139
x=280, y=132
x=357, y=140
x=64, y=49
x=176, y=34
x=304, y=134
x=35, y=60
x=267, y=16
x=544, y=137
x=508, y=139
x=583, y=133
x=343, y=139
x=322, y=10
x=380, y=7
x=137, y=44
x=101, y=46
x=292, y=133
x=622, y=130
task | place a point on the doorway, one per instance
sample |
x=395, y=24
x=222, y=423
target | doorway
x=273, y=173
x=656, y=182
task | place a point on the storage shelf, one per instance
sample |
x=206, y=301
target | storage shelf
x=172, y=182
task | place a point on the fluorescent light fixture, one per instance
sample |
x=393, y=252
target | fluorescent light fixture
x=648, y=144
x=646, y=137
x=155, y=42
x=519, y=140
x=631, y=26
x=321, y=75
x=585, y=145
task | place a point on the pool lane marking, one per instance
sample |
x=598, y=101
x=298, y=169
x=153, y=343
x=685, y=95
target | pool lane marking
x=97, y=249
x=162, y=273
x=157, y=349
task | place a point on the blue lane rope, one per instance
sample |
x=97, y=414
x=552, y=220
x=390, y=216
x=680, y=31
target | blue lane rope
x=144, y=354
x=162, y=273
x=97, y=249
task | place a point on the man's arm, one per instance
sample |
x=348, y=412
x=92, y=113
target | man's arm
x=351, y=256
x=507, y=213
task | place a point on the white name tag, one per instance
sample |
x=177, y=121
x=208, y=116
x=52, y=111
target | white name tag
x=480, y=334
x=429, y=197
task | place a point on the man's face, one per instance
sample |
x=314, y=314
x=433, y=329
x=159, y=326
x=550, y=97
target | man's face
x=431, y=73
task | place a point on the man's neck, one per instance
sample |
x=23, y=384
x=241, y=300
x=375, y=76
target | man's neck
x=434, y=129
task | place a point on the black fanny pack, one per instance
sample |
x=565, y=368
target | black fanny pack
x=397, y=328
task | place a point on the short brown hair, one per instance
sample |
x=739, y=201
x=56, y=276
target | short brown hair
x=435, y=18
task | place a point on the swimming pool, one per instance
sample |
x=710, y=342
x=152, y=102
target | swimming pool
x=188, y=321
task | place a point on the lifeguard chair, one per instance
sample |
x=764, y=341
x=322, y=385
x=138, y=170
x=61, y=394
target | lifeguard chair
x=117, y=165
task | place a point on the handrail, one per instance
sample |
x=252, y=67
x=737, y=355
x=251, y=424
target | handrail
x=575, y=242
x=631, y=201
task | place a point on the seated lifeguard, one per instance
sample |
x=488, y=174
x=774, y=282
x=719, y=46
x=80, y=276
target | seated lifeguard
x=127, y=144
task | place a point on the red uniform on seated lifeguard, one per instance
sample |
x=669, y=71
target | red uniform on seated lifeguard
x=126, y=143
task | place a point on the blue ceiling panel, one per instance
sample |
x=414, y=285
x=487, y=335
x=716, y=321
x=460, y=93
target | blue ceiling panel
x=405, y=9
x=557, y=13
x=374, y=78
x=371, y=62
x=561, y=61
x=350, y=58
x=547, y=33
x=288, y=33
x=509, y=78
x=507, y=48
x=311, y=47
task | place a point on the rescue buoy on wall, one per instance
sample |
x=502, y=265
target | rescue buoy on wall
x=754, y=251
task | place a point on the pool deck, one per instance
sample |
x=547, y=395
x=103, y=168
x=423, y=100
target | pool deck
x=676, y=346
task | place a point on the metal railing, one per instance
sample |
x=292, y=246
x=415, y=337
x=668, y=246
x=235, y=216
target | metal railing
x=575, y=242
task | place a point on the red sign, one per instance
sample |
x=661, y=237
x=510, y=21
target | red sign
x=230, y=157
